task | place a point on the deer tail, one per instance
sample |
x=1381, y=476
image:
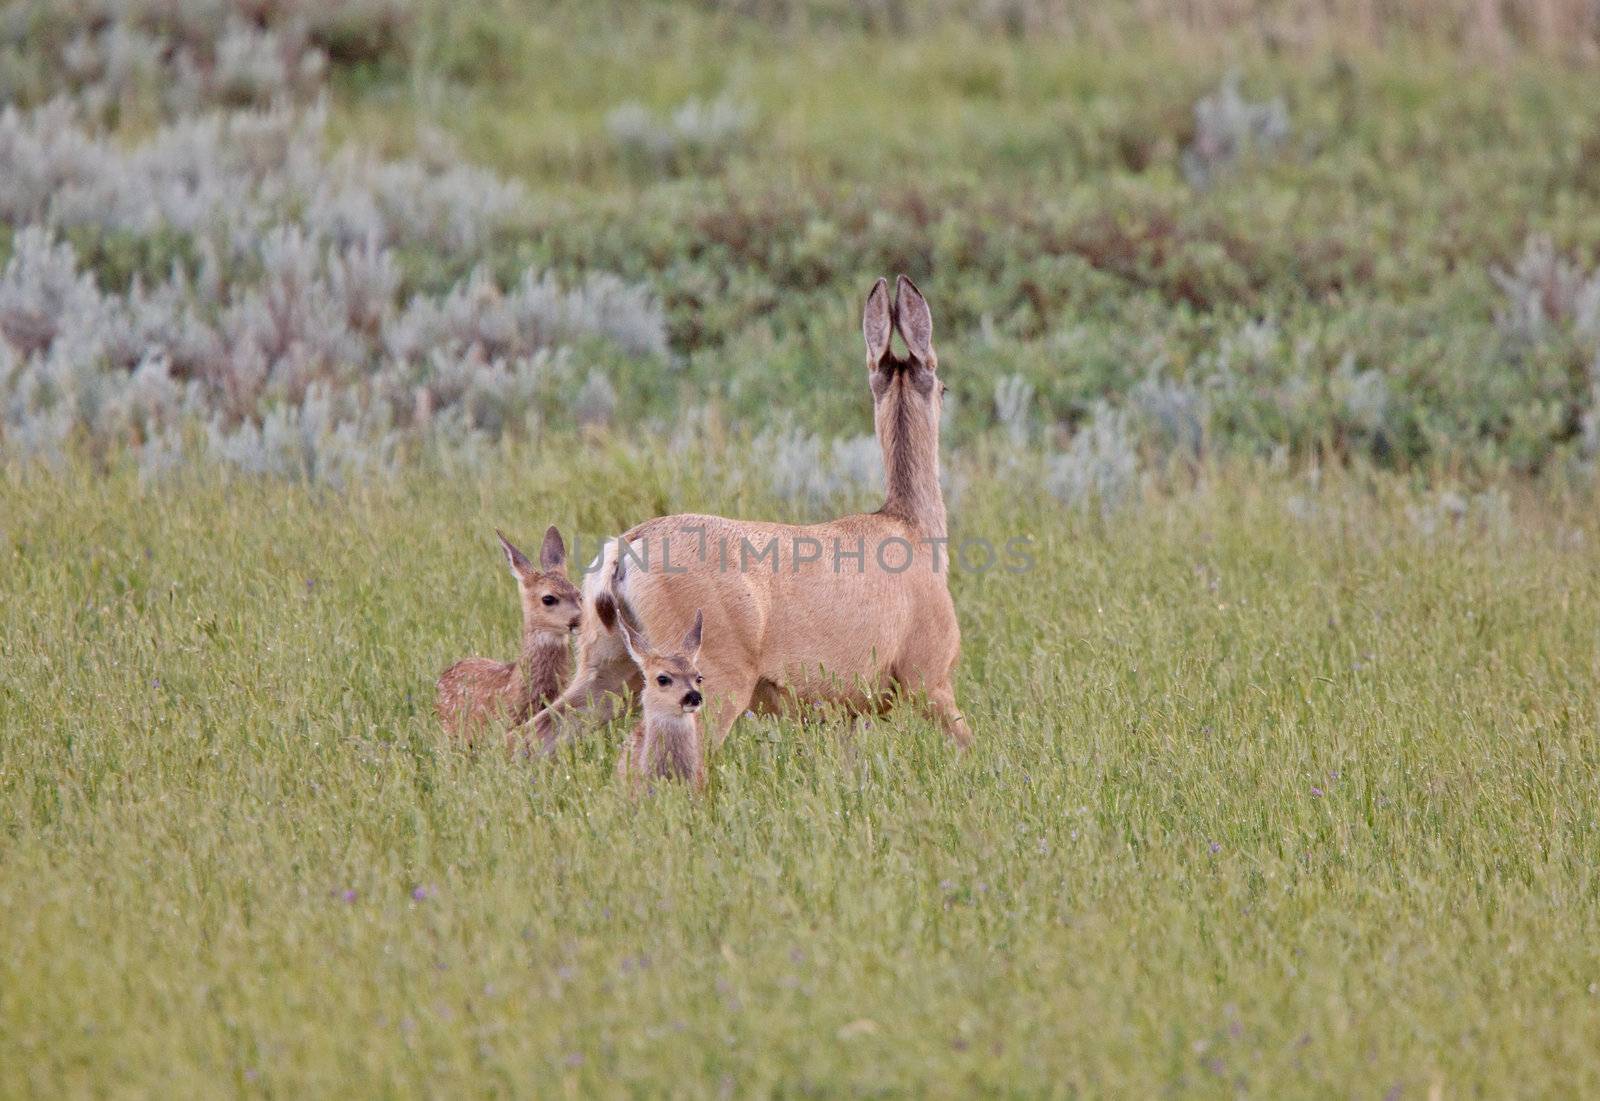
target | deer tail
x=609, y=602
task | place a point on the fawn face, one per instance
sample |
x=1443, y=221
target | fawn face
x=671, y=680
x=550, y=602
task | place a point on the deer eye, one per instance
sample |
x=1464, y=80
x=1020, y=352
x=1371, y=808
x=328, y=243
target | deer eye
x=663, y=680
x=548, y=600
x=698, y=679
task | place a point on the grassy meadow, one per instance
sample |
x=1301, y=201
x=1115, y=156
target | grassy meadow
x=1275, y=791
x=1274, y=326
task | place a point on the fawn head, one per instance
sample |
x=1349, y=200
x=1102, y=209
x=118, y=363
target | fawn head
x=550, y=602
x=671, y=678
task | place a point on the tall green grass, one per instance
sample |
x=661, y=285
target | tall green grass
x=1274, y=791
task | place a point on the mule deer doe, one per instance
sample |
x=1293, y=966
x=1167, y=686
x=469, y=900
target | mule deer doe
x=806, y=632
x=666, y=743
x=477, y=691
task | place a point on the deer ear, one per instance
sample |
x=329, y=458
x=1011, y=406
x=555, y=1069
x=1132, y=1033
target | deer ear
x=638, y=646
x=876, y=323
x=691, y=638
x=914, y=321
x=553, y=554
x=519, y=561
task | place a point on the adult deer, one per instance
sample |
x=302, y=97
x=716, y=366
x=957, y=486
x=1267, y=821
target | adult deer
x=853, y=613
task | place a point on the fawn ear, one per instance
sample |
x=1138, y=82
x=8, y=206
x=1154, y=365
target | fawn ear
x=915, y=322
x=553, y=554
x=519, y=561
x=876, y=323
x=638, y=646
x=691, y=638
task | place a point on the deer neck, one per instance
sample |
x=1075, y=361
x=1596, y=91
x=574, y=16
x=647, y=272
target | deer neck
x=911, y=465
x=673, y=745
x=543, y=664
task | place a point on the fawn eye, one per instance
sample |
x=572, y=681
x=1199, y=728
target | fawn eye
x=548, y=600
x=698, y=679
x=663, y=680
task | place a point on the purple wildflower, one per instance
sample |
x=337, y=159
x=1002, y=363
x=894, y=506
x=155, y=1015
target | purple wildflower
x=1316, y=791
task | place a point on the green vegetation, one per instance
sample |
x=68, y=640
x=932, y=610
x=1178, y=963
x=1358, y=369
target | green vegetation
x=1274, y=791
x=1036, y=185
x=1401, y=270
x=1282, y=344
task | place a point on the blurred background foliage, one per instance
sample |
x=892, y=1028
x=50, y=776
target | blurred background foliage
x=1323, y=230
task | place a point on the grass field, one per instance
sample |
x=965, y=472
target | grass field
x=1280, y=787
x=1274, y=325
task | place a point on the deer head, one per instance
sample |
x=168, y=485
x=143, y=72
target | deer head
x=549, y=601
x=671, y=679
x=907, y=399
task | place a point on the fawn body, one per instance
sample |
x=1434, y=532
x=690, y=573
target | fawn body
x=666, y=743
x=476, y=692
x=819, y=626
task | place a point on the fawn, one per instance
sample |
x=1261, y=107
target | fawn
x=477, y=691
x=666, y=743
x=873, y=624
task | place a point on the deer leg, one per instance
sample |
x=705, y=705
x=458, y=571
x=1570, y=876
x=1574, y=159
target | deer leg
x=596, y=691
x=629, y=760
x=938, y=705
x=720, y=722
x=729, y=693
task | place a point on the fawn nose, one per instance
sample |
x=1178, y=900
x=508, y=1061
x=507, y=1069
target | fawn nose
x=692, y=699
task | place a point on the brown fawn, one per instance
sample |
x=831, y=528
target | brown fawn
x=666, y=743
x=478, y=691
x=859, y=631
